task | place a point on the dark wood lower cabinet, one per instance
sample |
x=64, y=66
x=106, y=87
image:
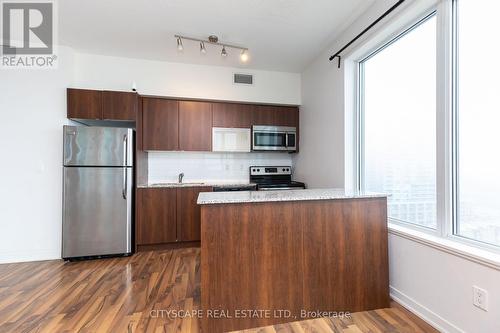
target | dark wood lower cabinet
x=188, y=213
x=168, y=215
x=156, y=218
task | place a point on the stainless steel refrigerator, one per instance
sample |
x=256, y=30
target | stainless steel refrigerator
x=97, y=191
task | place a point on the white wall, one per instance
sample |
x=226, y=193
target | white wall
x=209, y=167
x=33, y=110
x=436, y=284
x=320, y=162
x=185, y=80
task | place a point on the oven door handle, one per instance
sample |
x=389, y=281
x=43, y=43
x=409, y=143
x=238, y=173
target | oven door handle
x=279, y=188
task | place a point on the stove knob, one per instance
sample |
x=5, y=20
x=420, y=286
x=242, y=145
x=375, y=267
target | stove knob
x=284, y=169
x=287, y=169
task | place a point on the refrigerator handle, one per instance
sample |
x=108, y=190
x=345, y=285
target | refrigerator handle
x=125, y=163
x=125, y=181
x=125, y=150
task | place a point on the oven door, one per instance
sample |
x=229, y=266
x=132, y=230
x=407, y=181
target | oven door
x=269, y=140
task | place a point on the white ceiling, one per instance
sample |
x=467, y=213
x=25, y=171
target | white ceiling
x=282, y=35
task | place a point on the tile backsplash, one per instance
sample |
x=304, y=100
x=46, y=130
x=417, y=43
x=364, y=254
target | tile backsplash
x=198, y=166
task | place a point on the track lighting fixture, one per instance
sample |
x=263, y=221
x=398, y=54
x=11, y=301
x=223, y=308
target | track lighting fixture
x=244, y=56
x=180, y=47
x=214, y=40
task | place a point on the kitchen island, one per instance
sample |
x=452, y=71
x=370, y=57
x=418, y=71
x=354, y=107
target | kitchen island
x=269, y=257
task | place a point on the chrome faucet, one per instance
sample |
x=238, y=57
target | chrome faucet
x=181, y=175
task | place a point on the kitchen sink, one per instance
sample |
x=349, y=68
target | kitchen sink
x=177, y=184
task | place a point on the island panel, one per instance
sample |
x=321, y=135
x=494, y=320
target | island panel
x=298, y=256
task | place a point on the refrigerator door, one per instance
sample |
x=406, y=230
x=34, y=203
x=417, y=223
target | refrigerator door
x=97, y=211
x=97, y=146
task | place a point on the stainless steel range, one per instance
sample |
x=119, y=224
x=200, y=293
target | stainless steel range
x=270, y=178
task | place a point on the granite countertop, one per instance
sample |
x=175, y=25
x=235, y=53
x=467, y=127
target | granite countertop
x=208, y=198
x=196, y=184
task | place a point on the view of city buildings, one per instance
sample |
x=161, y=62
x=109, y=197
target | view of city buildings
x=399, y=134
x=412, y=188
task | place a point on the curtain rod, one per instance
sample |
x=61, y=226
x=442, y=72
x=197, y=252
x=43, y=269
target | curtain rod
x=337, y=55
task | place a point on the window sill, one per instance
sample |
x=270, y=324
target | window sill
x=447, y=245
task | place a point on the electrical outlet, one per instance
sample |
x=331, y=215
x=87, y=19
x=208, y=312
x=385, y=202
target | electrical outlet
x=480, y=298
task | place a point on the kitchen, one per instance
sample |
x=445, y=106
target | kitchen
x=167, y=212
x=188, y=167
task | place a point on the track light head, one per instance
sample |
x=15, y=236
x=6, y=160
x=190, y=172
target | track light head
x=244, y=56
x=180, y=47
x=223, y=52
x=203, y=50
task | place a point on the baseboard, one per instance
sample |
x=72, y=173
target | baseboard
x=424, y=313
x=9, y=257
x=167, y=246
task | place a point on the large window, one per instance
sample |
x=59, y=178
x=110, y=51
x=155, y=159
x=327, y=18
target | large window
x=398, y=100
x=428, y=123
x=478, y=121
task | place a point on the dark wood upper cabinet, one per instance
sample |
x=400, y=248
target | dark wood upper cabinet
x=138, y=125
x=156, y=216
x=195, y=126
x=275, y=115
x=232, y=115
x=263, y=115
x=118, y=105
x=188, y=213
x=160, y=124
x=289, y=116
x=84, y=104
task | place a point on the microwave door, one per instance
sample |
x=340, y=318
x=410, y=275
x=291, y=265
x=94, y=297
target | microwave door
x=269, y=141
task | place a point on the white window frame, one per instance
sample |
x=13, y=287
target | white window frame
x=360, y=179
x=443, y=236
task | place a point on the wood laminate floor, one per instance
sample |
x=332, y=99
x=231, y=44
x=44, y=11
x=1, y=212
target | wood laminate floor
x=133, y=294
x=394, y=319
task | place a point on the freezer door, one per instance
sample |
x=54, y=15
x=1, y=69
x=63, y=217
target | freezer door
x=98, y=146
x=97, y=211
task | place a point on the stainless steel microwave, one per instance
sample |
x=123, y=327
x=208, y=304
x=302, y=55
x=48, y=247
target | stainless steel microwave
x=281, y=138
